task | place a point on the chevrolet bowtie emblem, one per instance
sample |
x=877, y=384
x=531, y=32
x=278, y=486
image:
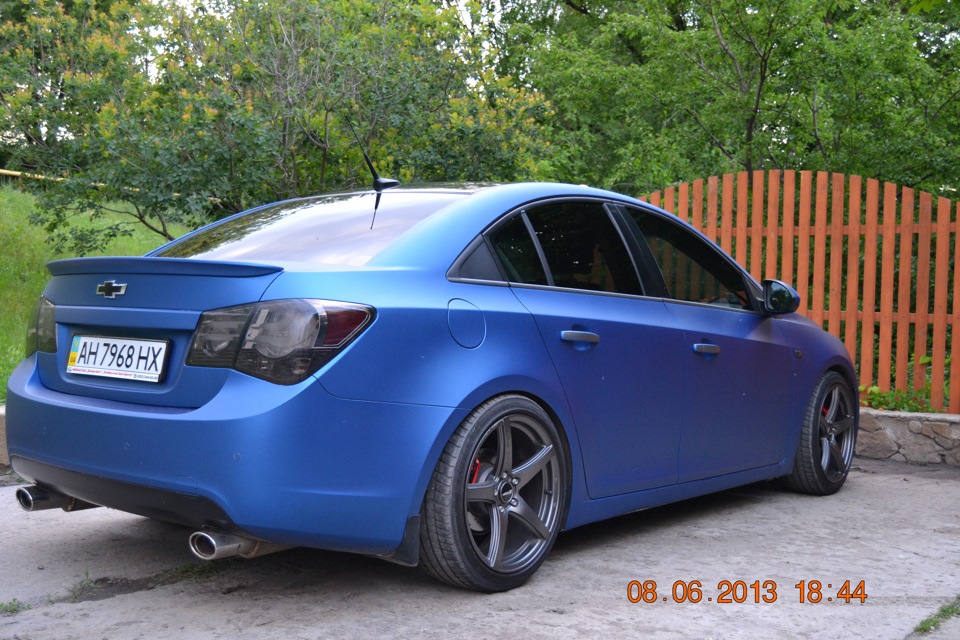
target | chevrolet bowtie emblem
x=110, y=289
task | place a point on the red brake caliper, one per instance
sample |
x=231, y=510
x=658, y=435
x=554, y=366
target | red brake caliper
x=475, y=471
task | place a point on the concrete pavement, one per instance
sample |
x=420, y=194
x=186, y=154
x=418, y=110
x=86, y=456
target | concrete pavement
x=895, y=527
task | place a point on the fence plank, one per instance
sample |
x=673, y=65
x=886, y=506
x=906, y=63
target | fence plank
x=836, y=253
x=712, y=192
x=921, y=329
x=773, y=225
x=742, y=220
x=941, y=276
x=756, y=226
x=903, y=289
x=888, y=251
x=786, y=268
x=726, y=215
x=803, y=247
x=819, y=249
x=668, y=194
x=683, y=206
x=869, y=282
x=954, y=398
x=853, y=267
x=696, y=207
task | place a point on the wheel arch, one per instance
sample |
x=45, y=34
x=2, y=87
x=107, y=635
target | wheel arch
x=805, y=385
x=851, y=377
x=552, y=401
x=827, y=441
x=504, y=463
x=560, y=425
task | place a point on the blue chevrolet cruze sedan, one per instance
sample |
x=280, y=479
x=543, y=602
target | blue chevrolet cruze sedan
x=443, y=376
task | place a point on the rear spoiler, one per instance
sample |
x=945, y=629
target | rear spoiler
x=161, y=266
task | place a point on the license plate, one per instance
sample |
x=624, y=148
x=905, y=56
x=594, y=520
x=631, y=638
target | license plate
x=122, y=358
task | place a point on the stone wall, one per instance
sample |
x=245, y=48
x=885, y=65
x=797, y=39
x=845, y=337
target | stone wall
x=918, y=438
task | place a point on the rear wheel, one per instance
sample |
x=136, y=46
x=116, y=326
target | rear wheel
x=827, y=438
x=497, y=499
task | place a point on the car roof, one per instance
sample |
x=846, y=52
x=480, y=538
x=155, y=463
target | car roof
x=448, y=231
x=369, y=228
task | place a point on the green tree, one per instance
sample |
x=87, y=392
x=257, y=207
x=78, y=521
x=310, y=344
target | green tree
x=652, y=92
x=171, y=113
x=66, y=71
x=20, y=12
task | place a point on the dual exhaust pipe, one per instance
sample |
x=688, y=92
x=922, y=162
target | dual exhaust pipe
x=210, y=545
x=206, y=545
x=36, y=499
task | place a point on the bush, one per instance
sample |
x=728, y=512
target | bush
x=913, y=400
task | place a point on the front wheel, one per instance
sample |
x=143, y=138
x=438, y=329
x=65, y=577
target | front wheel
x=497, y=499
x=827, y=438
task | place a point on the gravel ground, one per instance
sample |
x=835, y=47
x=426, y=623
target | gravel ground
x=104, y=574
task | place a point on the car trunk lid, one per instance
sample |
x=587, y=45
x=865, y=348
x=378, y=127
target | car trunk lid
x=149, y=308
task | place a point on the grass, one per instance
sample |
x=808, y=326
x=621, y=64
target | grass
x=947, y=611
x=12, y=607
x=24, y=252
x=83, y=588
x=22, y=276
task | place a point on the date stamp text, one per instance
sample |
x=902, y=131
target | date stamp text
x=742, y=591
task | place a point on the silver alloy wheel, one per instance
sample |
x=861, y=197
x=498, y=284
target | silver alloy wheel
x=828, y=437
x=512, y=497
x=836, y=424
x=498, y=497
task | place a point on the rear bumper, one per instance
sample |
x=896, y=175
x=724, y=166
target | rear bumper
x=292, y=465
x=159, y=504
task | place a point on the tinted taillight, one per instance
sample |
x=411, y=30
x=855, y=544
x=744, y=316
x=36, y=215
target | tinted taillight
x=42, y=330
x=283, y=341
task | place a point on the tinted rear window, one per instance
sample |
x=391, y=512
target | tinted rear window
x=337, y=229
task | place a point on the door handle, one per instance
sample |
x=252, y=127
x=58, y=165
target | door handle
x=704, y=347
x=579, y=336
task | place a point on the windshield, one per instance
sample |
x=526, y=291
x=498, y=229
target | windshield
x=338, y=229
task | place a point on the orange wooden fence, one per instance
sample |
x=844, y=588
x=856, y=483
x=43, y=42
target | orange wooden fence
x=873, y=263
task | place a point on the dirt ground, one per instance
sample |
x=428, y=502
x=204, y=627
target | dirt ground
x=104, y=574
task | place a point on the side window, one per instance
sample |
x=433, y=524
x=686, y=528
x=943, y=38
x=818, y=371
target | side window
x=517, y=253
x=692, y=269
x=478, y=264
x=583, y=248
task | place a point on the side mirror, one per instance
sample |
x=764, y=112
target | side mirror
x=779, y=298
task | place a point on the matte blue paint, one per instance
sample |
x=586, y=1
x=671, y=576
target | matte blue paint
x=165, y=266
x=307, y=478
x=466, y=323
x=731, y=396
x=625, y=391
x=342, y=460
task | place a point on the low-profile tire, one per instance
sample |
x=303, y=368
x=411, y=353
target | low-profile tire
x=498, y=497
x=827, y=438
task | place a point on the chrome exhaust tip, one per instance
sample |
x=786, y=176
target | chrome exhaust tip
x=214, y=546
x=210, y=545
x=36, y=499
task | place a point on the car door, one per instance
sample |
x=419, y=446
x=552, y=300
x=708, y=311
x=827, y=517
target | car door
x=617, y=353
x=739, y=371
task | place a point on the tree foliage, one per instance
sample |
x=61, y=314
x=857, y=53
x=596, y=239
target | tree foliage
x=171, y=112
x=652, y=92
